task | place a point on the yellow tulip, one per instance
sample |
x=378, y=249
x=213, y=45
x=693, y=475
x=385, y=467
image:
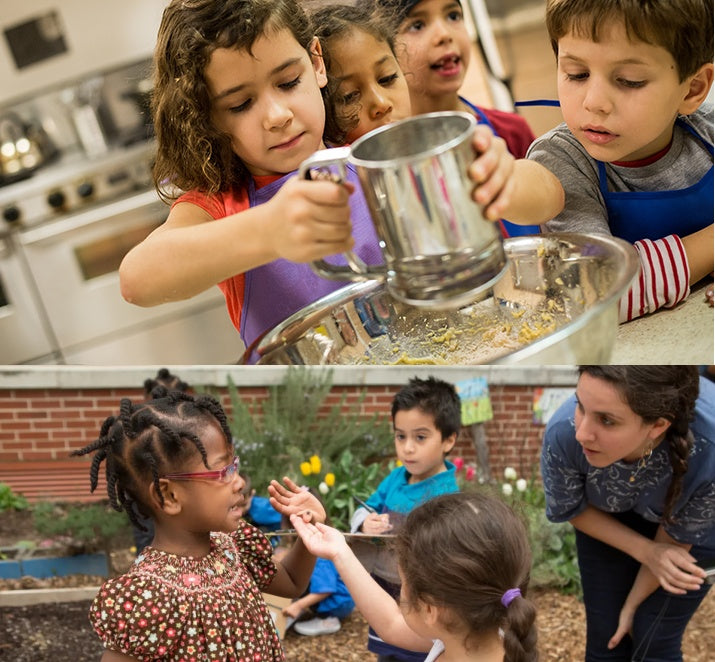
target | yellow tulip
x=315, y=464
x=305, y=468
x=330, y=479
x=398, y=463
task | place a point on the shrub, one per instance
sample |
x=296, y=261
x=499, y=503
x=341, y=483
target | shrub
x=11, y=501
x=290, y=428
x=553, y=545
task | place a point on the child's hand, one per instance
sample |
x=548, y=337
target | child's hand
x=310, y=220
x=293, y=500
x=375, y=524
x=492, y=171
x=293, y=610
x=319, y=539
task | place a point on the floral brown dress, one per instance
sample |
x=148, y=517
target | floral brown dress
x=186, y=609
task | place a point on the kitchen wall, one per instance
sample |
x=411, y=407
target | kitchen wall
x=98, y=34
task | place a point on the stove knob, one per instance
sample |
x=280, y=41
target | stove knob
x=11, y=214
x=56, y=199
x=85, y=190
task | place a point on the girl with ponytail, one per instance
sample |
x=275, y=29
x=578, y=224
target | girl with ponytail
x=464, y=560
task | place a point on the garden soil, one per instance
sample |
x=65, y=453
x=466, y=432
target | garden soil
x=61, y=632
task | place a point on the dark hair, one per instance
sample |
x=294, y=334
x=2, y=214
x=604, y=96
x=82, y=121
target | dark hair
x=164, y=378
x=147, y=440
x=683, y=27
x=463, y=551
x=655, y=391
x=192, y=153
x=335, y=22
x=434, y=397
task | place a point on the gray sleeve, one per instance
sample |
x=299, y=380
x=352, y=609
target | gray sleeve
x=359, y=516
x=585, y=209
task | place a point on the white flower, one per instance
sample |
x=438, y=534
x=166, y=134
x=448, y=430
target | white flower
x=507, y=489
x=510, y=473
x=323, y=488
x=521, y=485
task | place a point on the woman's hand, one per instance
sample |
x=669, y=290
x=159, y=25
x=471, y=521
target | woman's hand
x=294, y=500
x=319, y=539
x=375, y=524
x=674, y=567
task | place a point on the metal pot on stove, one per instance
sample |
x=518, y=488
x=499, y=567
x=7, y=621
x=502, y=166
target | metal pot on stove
x=24, y=147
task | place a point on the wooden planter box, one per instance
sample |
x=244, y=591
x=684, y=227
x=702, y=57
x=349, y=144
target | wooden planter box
x=55, y=566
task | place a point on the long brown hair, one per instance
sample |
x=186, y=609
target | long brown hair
x=655, y=391
x=192, y=153
x=463, y=551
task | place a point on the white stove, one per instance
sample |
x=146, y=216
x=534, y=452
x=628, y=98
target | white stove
x=76, y=183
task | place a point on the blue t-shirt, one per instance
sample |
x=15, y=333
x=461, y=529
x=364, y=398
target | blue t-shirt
x=571, y=483
x=396, y=494
x=325, y=579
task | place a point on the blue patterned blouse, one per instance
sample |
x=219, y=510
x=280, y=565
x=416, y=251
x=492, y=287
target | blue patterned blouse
x=571, y=483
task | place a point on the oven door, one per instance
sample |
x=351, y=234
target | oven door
x=24, y=329
x=74, y=261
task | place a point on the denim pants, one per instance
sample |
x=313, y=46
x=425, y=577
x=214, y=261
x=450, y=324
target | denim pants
x=607, y=575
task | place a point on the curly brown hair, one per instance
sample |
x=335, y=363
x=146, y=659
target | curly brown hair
x=192, y=153
x=683, y=27
x=655, y=391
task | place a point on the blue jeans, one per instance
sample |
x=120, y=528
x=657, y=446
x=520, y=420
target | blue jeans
x=607, y=575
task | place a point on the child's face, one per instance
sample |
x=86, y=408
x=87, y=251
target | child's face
x=210, y=505
x=371, y=83
x=269, y=102
x=618, y=97
x=419, y=444
x=433, y=48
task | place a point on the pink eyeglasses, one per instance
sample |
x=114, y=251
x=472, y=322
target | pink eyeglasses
x=224, y=475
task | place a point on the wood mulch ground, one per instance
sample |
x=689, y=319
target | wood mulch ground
x=61, y=632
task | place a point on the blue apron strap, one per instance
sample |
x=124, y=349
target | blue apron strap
x=538, y=102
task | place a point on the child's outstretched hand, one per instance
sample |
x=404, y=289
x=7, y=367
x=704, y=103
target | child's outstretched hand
x=319, y=539
x=293, y=500
x=492, y=172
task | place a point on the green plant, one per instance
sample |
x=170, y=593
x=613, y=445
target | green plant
x=90, y=527
x=553, y=545
x=292, y=424
x=11, y=501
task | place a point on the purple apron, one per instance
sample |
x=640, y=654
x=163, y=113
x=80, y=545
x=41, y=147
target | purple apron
x=280, y=288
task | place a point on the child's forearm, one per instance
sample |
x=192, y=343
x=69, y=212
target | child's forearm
x=537, y=196
x=699, y=251
x=294, y=572
x=310, y=600
x=192, y=252
x=376, y=605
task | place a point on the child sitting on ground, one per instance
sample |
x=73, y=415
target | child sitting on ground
x=635, y=151
x=195, y=592
x=426, y=417
x=465, y=561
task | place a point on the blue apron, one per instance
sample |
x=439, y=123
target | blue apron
x=512, y=229
x=634, y=215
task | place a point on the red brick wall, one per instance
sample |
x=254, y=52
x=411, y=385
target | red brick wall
x=47, y=424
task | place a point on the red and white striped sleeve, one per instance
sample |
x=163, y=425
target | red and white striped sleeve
x=663, y=280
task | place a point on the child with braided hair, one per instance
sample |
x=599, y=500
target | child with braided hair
x=464, y=560
x=195, y=592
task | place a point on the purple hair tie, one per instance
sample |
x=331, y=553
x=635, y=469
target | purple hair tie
x=509, y=595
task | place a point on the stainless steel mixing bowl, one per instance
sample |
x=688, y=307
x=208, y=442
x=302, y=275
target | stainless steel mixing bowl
x=556, y=304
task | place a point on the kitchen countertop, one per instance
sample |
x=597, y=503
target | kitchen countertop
x=683, y=334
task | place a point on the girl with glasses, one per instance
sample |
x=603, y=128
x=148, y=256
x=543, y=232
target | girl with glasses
x=195, y=592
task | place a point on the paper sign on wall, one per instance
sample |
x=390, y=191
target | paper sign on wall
x=547, y=401
x=474, y=396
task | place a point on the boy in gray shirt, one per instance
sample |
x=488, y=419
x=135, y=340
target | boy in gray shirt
x=635, y=151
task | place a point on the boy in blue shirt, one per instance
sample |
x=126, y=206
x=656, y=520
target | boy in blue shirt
x=426, y=417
